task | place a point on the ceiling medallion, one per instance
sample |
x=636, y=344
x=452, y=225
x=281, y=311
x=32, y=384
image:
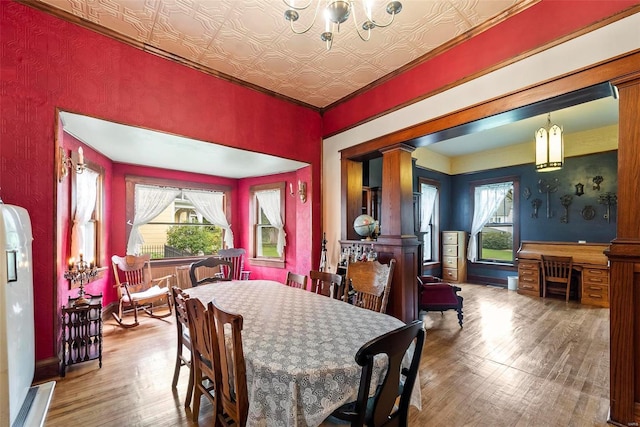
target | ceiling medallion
x=335, y=12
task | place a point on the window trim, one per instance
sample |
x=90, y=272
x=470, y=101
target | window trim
x=253, y=213
x=435, y=242
x=132, y=180
x=516, y=209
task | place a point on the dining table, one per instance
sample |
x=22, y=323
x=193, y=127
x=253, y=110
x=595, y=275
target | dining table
x=299, y=349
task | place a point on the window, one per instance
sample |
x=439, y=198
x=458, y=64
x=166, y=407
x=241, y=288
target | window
x=176, y=220
x=87, y=190
x=493, y=233
x=268, y=225
x=429, y=218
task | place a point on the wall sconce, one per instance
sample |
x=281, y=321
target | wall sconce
x=66, y=163
x=302, y=190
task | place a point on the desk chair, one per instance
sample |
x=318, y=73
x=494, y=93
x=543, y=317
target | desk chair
x=556, y=275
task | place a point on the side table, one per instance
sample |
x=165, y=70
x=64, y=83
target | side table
x=82, y=332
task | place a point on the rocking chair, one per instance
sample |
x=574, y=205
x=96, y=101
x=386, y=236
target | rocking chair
x=137, y=289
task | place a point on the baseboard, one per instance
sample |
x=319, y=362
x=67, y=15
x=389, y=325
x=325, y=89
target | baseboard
x=483, y=280
x=46, y=369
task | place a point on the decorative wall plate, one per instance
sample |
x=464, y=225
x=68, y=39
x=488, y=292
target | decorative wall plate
x=588, y=212
x=526, y=193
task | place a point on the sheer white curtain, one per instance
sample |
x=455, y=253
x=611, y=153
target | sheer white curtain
x=86, y=194
x=270, y=203
x=427, y=204
x=209, y=205
x=150, y=201
x=487, y=198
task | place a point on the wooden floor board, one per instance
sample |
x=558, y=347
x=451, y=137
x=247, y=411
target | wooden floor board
x=518, y=361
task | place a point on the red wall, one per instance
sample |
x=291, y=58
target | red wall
x=536, y=26
x=48, y=63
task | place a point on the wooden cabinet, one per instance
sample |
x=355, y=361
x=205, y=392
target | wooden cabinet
x=82, y=332
x=529, y=277
x=454, y=252
x=595, y=286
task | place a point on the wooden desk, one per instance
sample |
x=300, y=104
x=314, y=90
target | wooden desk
x=588, y=258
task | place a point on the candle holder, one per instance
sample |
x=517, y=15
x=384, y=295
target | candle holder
x=80, y=272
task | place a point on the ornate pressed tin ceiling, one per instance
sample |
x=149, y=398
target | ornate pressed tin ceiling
x=251, y=41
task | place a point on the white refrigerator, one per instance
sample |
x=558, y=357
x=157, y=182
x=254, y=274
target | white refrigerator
x=20, y=403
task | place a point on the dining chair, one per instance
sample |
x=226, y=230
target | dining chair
x=205, y=358
x=183, y=281
x=233, y=394
x=184, y=340
x=370, y=284
x=325, y=283
x=296, y=280
x=389, y=406
x=137, y=289
x=236, y=257
x=225, y=267
x=556, y=275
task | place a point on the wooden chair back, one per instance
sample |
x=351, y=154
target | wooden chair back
x=327, y=284
x=381, y=412
x=236, y=257
x=135, y=270
x=296, y=280
x=205, y=358
x=183, y=281
x=137, y=289
x=225, y=267
x=233, y=394
x=556, y=275
x=179, y=299
x=370, y=284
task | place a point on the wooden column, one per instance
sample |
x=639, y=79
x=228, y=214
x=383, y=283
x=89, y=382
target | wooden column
x=397, y=233
x=624, y=258
x=351, y=197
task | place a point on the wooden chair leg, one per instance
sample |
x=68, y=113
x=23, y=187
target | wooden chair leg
x=176, y=369
x=187, y=400
x=197, y=394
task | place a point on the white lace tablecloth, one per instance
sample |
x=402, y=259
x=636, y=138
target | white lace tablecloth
x=299, y=349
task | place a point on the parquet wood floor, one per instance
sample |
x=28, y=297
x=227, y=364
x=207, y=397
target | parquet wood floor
x=518, y=361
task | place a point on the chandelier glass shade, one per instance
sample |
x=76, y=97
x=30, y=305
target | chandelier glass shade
x=336, y=12
x=549, y=147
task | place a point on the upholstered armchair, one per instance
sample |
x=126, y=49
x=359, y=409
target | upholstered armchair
x=439, y=296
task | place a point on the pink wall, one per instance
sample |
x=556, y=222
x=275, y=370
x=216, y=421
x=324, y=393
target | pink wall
x=536, y=26
x=47, y=63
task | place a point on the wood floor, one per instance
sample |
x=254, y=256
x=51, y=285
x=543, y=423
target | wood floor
x=518, y=361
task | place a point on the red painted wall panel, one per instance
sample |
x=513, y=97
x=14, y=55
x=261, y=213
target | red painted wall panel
x=536, y=26
x=48, y=63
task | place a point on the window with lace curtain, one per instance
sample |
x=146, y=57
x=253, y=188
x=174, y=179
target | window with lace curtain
x=494, y=234
x=429, y=218
x=86, y=214
x=267, y=218
x=175, y=219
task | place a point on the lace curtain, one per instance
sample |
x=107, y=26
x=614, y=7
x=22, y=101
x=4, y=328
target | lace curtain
x=487, y=198
x=427, y=204
x=270, y=203
x=210, y=205
x=150, y=201
x=86, y=195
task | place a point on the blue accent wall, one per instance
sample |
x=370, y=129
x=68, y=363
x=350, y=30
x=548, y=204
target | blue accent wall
x=456, y=204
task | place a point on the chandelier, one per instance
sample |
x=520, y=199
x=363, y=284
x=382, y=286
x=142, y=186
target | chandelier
x=335, y=12
x=549, y=147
